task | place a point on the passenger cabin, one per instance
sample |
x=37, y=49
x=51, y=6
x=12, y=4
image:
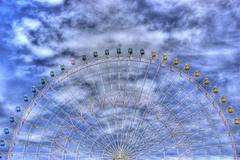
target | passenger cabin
x=84, y=57
x=118, y=51
x=52, y=74
x=223, y=99
x=215, y=90
x=73, y=61
x=18, y=109
x=206, y=81
x=142, y=52
x=43, y=82
x=176, y=61
x=25, y=98
x=62, y=67
x=197, y=73
x=107, y=52
x=237, y=121
x=130, y=51
x=187, y=67
x=34, y=89
x=6, y=131
x=154, y=54
x=95, y=54
x=230, y=109
x=2, y=143
x=165, y=57
x=11, y=119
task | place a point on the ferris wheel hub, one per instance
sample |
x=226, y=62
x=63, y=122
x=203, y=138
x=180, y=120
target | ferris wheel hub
x=120, y=155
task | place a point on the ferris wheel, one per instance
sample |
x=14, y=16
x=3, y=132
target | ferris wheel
x=122, y=106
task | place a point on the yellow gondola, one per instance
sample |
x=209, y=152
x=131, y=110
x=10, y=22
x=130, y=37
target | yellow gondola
x=197, y=73
x=223, y=99
x=206, y=81
x=237, y=121
x=187, y=67
x=230, y=109
x=165, y=57
x=215, y=89
x=154, y=54
x=176, y=61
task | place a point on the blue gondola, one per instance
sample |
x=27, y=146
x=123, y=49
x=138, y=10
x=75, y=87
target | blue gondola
x=34, y=89
x=18, y=109
x=11, y=119
x=2, y=143
x=6, y=131
x=25, y=98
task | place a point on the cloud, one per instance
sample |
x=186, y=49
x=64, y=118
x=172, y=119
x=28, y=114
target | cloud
x=50, y=2
x=22, y=37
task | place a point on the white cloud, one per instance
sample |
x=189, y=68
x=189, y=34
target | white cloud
x=42, y=51
x=23, y=39
x=2, y=84
x=51, y=2
x=31, y=24
x=21, y=30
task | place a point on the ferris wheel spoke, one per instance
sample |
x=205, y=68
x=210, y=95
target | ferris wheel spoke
x=93, y=129
x=138, y=100
x=113, y=103
x=125, y=105
x=188, y=135
x=114, y=109
x=146, y=110
x=70, y=125
x=152, y=105
x=163, y=123
x=90, y=108
x=127, y=97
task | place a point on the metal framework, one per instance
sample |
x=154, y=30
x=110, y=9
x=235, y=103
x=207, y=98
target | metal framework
x=122, y=107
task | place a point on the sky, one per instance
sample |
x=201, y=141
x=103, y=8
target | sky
x=38, y=35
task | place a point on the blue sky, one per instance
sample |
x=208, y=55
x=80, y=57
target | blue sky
x=38, y=35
